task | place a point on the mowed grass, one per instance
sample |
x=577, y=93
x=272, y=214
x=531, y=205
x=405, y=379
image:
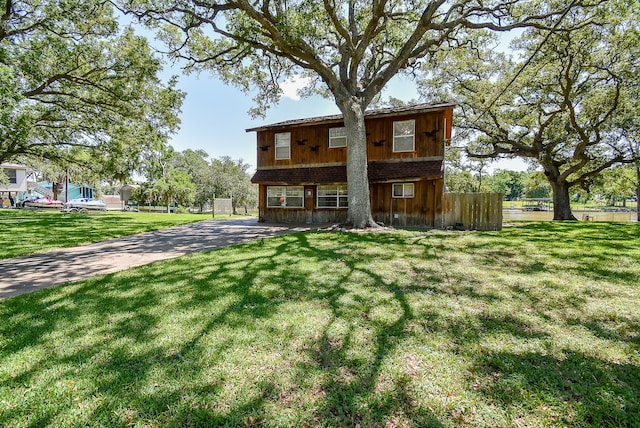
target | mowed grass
x=24, y=232
x=537, y=325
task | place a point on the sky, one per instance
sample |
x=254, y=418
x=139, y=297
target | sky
x=214, y=115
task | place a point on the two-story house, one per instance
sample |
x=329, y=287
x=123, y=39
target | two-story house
x=301, y=166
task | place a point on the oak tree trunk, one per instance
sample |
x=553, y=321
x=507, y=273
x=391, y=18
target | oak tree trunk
x=359, y=215
x=561, y=201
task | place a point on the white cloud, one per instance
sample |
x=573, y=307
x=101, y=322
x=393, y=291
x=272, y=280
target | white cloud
x=292, y=85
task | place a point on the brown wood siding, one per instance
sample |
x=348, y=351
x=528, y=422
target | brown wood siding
x=422, y=210
x=275, y=215
x=448, y=115
x=309, y=145
x=309, y=214
x=315, y=149
x=262, y=201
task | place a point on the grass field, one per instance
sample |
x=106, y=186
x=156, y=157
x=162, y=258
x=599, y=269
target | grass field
x=25, y=232
x=537, y=325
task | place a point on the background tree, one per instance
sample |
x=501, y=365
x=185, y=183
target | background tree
x=616, y=185
x=4, y=178
x=561, y=110
x=70, y=78
x=460, y=181
x=196, y=164
x=536, y=185
x=167, y=177
x=464, y=174
x=222, y=178
x=349, y=50
x=509, y=183
x=144, y=194
x=175, y=186
x=232, y=180
x=628, y=120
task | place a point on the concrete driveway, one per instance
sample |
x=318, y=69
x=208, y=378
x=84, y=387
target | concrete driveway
x=29, y=273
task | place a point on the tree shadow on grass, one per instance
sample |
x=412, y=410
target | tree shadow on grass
x=209, y=340
x=592, y=392
x=591, y=250
x=352, y=390
x=613, y=327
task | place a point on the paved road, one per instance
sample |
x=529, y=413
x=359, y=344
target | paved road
x=25, y=274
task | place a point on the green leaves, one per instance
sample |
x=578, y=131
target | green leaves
x=564, y=101
x=79, y=81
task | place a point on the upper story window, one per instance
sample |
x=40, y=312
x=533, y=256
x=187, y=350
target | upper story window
x=403, y=190
x=283, y=145
x=404, y=136
x=12, y=174
x=338, y=137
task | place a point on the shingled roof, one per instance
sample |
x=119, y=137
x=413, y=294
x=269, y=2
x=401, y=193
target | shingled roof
x=391, y=111
x=377, y=171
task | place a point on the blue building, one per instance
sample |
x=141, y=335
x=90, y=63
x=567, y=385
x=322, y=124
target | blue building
x=75, y=190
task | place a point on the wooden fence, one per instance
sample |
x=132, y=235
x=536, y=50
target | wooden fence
x=472, y=211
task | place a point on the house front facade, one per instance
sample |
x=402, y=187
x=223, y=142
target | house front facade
x=17, y=175
x=16, y=184
x=301, y=166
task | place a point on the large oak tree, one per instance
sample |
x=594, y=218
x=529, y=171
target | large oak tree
x=71, y=80
x=349, y=49
x=565, y=103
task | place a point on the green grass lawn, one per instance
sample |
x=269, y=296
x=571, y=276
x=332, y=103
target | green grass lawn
x=25, y=232
x=537, y=325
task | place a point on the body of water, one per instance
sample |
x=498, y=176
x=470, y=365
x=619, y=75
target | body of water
x=516, y=214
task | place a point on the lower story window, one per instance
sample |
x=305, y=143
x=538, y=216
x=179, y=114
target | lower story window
x=334, y=196
x=403, y=190
x=285, y=196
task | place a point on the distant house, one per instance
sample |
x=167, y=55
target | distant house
x=74, y=191
x=16, y=185
x=301, y=166
x=17, y=178
x=79, y=191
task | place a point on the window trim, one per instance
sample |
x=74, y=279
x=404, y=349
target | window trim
x=338, y=196
x=275, y=145
x=413, y=136
x=338, y=137
x=404, y=192
x=283, y=198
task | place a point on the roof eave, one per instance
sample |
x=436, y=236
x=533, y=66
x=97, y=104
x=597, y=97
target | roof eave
x=371, y=114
